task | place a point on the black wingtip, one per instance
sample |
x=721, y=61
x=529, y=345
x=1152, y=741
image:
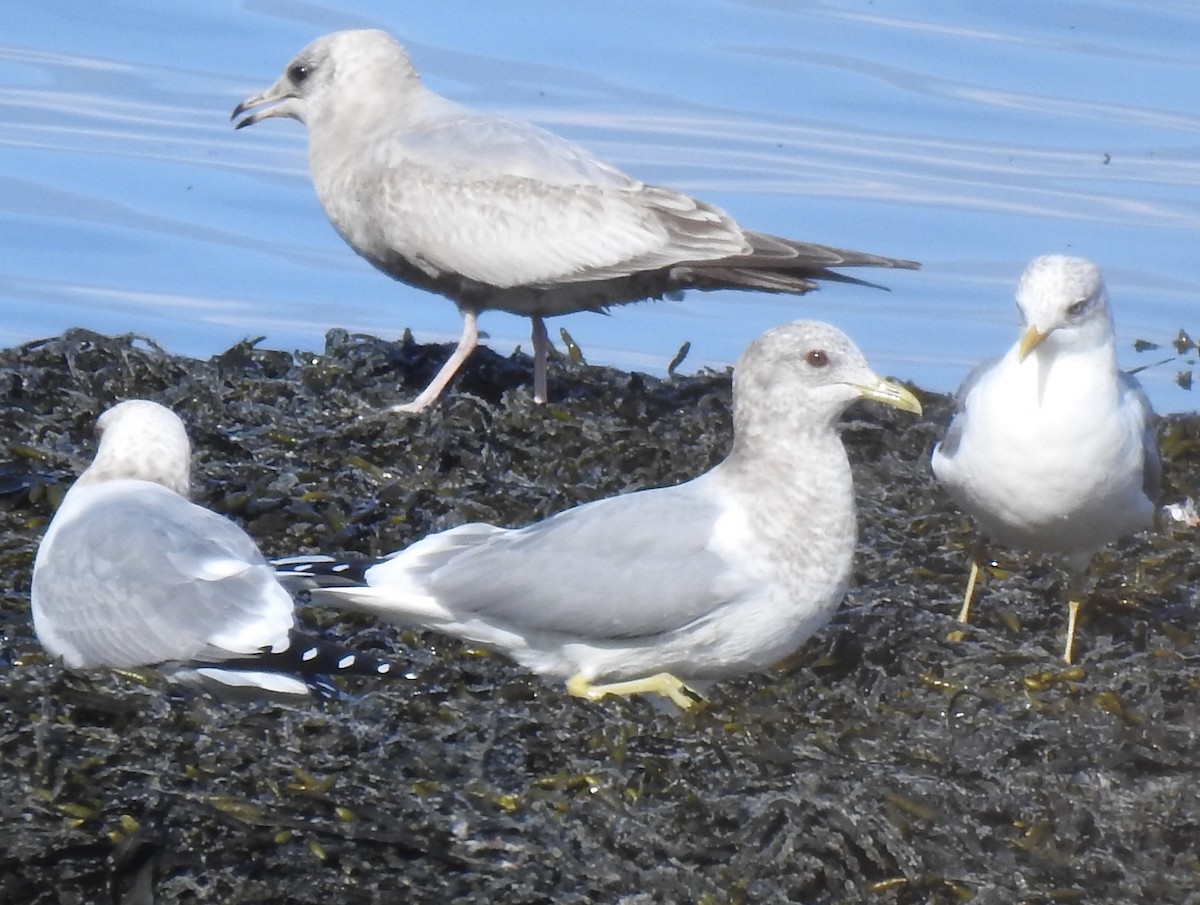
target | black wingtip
x=315, y=656
x=310, y=658
x=323, y=571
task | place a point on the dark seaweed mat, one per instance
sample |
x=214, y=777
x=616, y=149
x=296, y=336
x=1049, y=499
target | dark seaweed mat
x=884, y=764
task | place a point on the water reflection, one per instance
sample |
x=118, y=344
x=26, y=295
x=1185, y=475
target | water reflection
x=972, y=142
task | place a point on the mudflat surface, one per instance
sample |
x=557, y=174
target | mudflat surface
x=884, y=763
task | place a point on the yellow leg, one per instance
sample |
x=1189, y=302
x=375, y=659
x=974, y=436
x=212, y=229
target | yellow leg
x=662, y=683
x=1075, y=591
x=964, y=614
x=1073, y=606
x=978, y=554
x=140, y=678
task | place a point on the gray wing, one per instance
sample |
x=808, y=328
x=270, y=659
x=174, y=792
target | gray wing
x=623, y=567
x=149, y=577
x=949, y=444
x=1151, y=457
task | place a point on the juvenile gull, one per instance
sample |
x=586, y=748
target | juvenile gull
x=495, y=214
x=1053, y=448
x=722, y=575
x=131, y=574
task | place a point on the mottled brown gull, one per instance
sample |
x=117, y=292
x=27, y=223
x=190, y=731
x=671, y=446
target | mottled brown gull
x=496, y=214
x=130, y=574
x=1053, y=447
x=643, y=592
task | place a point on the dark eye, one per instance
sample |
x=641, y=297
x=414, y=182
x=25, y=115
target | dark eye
x=1078, y=308
x=297, y=73
x=817, y=358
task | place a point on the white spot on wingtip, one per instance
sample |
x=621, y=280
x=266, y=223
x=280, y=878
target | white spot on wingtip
x=346, y=662
x=310, y=654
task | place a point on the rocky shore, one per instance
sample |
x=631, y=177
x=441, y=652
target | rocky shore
x=884, y=763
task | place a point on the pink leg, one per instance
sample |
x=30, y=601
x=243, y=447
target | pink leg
x=541, y=346
x=466, y=345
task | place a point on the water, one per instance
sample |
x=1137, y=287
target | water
x=969, y=136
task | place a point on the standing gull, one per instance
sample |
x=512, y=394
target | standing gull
x=1053, y=449
x=722, y=575
x=495, y=214
x=131, y=574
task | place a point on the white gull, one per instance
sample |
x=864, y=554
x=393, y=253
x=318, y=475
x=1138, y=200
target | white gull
x=130, y=574
x=1053, y=447
x=496, y=214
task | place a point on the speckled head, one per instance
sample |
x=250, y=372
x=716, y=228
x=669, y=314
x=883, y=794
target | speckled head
x=1062, y=302
x=332, y=73
x=805, y=374
x=144, y=441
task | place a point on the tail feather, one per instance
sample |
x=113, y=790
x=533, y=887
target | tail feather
x=775, y=251
x=849, y=258
x=392, y=602
x=780, y=265
x=394, y=588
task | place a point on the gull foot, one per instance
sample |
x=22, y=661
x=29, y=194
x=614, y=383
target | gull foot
x=662, y=683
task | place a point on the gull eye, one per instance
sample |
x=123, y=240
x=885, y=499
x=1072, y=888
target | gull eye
x=817, y=358
x=297, y=73
x=1078, y=307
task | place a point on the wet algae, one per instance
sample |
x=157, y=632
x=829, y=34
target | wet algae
x=884, y=763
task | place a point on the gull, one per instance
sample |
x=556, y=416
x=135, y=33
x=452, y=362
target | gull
x=130, y=574
x=651, y=590
x=496, y=214
x=1052, y=448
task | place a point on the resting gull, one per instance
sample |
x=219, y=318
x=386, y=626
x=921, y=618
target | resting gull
x=130, y=574
x=1053, y=448
x=495, y=214
x=725, y=574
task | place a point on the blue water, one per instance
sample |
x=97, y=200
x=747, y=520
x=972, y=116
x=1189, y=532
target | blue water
x=969, y=136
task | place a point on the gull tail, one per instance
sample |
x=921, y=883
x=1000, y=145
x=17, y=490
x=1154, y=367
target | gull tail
x=343, y=584
x=403, y=606
x=775, y=264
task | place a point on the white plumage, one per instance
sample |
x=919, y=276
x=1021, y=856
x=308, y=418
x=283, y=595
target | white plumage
x=495, y=214
x=1053, y=447
x=131, y=574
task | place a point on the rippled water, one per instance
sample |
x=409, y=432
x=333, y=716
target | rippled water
x=969, y=136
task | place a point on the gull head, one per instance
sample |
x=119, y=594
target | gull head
x=804, y=375
x=1063, y=303
x=141, y=440
x=330, y=73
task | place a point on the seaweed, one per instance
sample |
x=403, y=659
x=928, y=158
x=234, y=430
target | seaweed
x=892, y=759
